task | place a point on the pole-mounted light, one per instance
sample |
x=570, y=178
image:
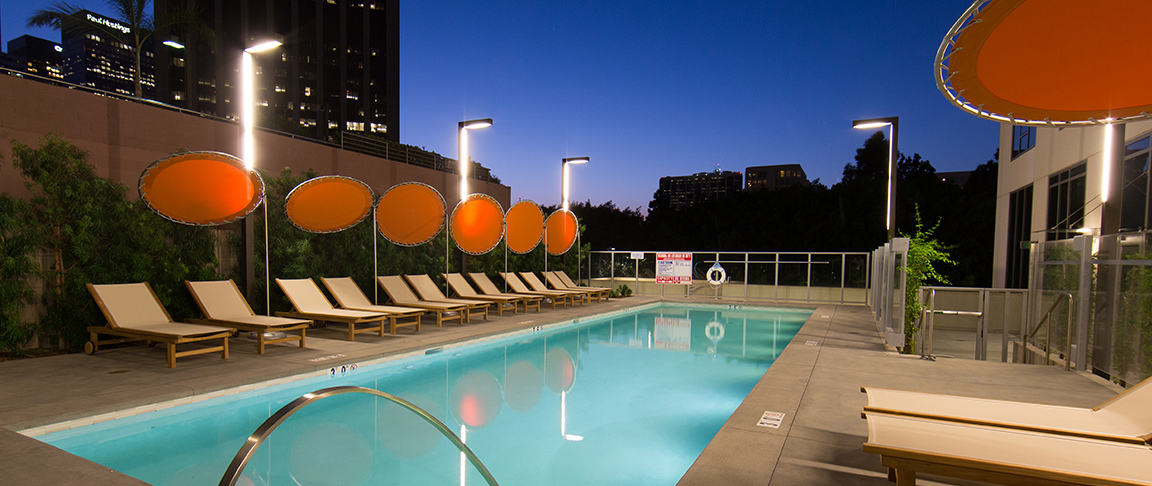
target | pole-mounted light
x=463, y=163
x=564, y=177
x=894, y=122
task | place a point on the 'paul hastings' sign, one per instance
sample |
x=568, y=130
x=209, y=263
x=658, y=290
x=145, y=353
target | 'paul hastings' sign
x=107, y=22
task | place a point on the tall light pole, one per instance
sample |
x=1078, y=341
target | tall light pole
x=464, y=166
x=564, y=177
x=247, y=122
x=564, y=163
x=894, y=122
x=463, y=163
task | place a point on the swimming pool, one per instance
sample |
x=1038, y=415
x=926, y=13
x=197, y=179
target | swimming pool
x=627, y=399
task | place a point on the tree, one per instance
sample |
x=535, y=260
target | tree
x=95, y=235
x=18, y=243
x=64, y=16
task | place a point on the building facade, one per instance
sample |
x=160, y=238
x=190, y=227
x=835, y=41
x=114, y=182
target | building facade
x=1061, y=182
x=102, y=61
x=338, y=69
x=775, y=177
x=41, y=57
x=678, y=192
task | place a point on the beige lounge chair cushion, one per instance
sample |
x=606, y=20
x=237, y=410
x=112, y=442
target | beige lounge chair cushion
x=461, y=286
x=1122, y=418
x=305, y=295
x=133, y=306
x=349, y=295
x=1006, y=450
x=220, y=299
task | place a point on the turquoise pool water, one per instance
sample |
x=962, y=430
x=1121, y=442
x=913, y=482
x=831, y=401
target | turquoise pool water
x=628, y=399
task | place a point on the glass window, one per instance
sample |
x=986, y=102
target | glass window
x=1134, y=193
x=1019, y=232
x=1023, y=138
x=1066, y=202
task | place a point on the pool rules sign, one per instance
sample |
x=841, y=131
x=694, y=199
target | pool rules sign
x=673, y=268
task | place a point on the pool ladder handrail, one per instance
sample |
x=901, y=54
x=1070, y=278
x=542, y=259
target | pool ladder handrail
x=249, y=448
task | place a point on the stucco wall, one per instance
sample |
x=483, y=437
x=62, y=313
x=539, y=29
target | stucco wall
x=123, y=137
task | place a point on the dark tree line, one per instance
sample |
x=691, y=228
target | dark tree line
x=849, y=216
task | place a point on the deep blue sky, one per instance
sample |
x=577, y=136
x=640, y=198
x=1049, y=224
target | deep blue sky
x=656, y=88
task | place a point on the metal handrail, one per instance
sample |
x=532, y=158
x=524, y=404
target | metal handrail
x=1048, y=335
x=245, y=453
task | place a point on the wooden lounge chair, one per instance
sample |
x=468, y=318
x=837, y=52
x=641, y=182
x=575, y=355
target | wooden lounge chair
x=134, y=313
x=572, y=285
x=489, y=289
x=400, y=294
x=465, y=291
x=429, y=292
x=310, y=303
x=537, y=286
x=565, y=298
x=557, y=283
x=1124, y=418
x=911, y=445
x=222, y=304
x=349, y=296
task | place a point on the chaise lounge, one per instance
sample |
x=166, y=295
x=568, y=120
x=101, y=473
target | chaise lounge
x=349, y=296
x=222, y=304
x=134, y=313
x=537, y=286
x=400, y=294
x=558, y=283
x=1124, y=418
x=488, y=288
x=911, y=445
x=310, y=303
x=465, y=291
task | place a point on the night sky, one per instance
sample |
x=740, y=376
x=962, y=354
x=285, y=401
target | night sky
x=656, y=88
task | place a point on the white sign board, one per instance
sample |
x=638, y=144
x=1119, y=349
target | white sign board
x=637, y=255
x=673, y=268
x=771, y=420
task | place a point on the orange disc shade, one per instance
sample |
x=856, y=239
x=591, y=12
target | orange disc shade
x=561, y=231
x=523, y=227
x=410, y=213
x=201, y=188
x=1041, y=61
x=477, y=224
x=328, y=204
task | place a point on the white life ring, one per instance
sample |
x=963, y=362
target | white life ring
x=715, y=331
x=717, y=275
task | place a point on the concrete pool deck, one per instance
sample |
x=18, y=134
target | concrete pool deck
x=815, y=382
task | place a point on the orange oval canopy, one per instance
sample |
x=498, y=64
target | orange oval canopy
x=410, y=213
x=561, y=231
x=1049, y=61
x=523, y=227
x=477, y=224
x=201, y=188
x=328, y=203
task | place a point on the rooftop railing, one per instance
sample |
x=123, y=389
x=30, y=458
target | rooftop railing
x=794, y=277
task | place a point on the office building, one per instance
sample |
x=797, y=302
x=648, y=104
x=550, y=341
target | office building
x=775, y=177
x=959, y=178
x=37, y=56
x=338, y=69
x=103, y=61
x=1058, y=184
x=678, y=192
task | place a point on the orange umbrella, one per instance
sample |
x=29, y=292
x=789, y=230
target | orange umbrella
x=328, y=204
x=201, y=188
x=561, y=231
x=477, y=224
x=523, y=227
x=410, y=213
x=1049, y=62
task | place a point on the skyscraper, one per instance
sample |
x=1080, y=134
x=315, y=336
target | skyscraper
x=338, y=70
x=98, y=60
x=41, y=57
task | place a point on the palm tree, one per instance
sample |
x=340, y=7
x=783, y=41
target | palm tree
x=132, y=13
